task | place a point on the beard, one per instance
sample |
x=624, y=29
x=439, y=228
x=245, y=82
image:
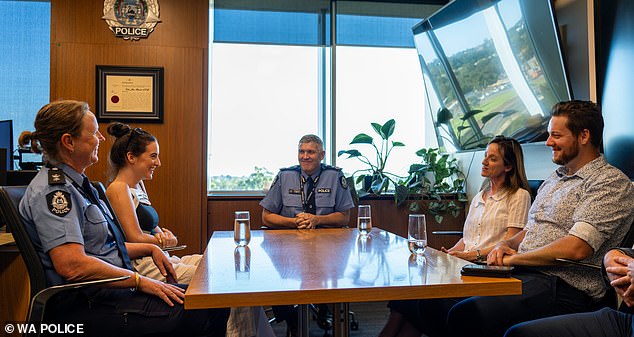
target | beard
x=567, y=156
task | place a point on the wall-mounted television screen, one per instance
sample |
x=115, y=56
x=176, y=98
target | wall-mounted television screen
x=491, y=67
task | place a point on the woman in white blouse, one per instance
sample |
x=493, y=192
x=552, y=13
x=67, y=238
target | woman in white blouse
x=500, y=209
x=497, y=212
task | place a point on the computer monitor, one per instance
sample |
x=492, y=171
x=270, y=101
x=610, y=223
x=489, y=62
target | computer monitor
x=6, y=141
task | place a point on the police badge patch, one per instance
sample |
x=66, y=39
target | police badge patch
x=344, y=183
x=131, y=19
x=59, y=203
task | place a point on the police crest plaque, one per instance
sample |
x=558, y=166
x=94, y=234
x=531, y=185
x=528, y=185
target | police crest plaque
x=131, y=19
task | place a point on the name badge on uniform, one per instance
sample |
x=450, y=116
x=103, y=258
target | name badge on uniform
x=323, y=190
x=292, y=191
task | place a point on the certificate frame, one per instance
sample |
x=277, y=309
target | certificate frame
x=129, y=94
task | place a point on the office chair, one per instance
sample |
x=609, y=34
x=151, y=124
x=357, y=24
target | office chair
x=41, y=292
x=611, y=298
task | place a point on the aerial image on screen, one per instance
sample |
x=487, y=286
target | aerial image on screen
x=491, y=68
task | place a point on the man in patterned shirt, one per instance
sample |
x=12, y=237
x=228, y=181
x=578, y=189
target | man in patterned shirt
x=582, y=210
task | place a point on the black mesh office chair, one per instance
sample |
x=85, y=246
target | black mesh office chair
x=10, y=197
x=610, y=299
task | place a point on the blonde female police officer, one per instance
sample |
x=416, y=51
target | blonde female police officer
x=77, y=240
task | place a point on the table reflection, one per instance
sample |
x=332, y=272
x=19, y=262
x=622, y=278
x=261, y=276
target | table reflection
x=417, y=269
x=324, y=272
x=242, y=262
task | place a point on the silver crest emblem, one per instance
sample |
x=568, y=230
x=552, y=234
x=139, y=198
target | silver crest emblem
x=131, y=19
x=59, y=203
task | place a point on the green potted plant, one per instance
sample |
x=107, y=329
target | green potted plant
x=433, y=185
x=374, y=178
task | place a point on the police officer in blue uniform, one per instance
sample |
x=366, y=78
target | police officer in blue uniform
x=77, y=239
x=308, y=195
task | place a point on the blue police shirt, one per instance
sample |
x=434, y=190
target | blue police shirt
x=331, y=192
x=58, y=214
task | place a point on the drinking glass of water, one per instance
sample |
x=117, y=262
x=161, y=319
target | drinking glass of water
x=417, y=233
x=242, y=228
x=364, y=219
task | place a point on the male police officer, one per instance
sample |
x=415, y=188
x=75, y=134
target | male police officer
x=308, y=195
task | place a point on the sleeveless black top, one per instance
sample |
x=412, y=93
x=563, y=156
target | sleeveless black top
x=147, y=215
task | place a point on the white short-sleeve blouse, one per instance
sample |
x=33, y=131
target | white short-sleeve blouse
x=488, y=221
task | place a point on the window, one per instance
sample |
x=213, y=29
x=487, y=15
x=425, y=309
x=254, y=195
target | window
x=271, y=71
x=25, y=30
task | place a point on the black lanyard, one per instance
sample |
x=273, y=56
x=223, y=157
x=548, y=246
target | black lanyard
x=306, y=200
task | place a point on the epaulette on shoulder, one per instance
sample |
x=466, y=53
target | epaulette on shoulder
x=292, y=168
x=330, y=167
x=56, y=176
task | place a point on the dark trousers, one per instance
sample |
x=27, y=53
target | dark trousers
x=120, y=312
x=286, y=313
x=603, y=323
x=542, y=296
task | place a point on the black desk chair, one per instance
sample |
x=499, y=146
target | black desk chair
x=41, y=292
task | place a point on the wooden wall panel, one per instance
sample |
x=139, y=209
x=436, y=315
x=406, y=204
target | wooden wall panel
x=80, y=40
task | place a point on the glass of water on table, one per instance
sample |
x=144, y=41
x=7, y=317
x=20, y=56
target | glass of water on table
x=364, y=219
x=242, y=228
x=417, y=233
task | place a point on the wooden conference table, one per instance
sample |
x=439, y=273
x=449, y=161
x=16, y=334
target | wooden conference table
x=328, y=266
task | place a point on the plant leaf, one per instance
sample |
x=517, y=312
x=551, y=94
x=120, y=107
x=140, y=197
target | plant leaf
x=400, y=194
x=443, y=116
x=351, y=153
x=422, y=152
x=360, y=178
x=470, y=114
x=438, y=218
x=397, y=144
x=377, y=128
x=362, y=138
x=388, y=129
x=488, y=117
x=417, y=168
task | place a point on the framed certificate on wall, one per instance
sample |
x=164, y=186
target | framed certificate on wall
x=129, y=94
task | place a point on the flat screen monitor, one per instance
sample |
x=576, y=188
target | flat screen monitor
x=491, y=67
x=6, y=141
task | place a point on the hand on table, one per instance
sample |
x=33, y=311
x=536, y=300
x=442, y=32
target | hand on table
x=306, y=220
x=500, y=254
x=469, y=256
